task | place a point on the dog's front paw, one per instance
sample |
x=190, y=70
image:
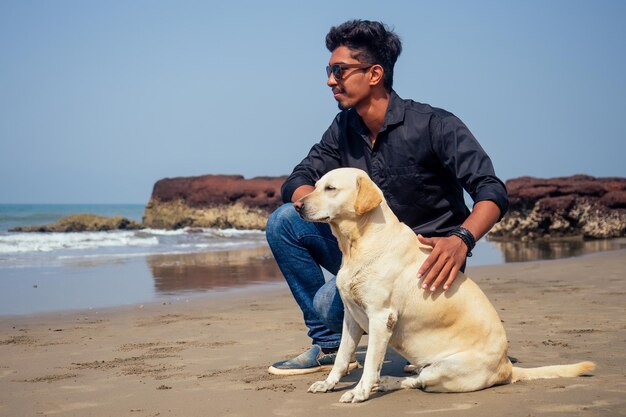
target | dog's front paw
x=356, y=395
x=321, y=386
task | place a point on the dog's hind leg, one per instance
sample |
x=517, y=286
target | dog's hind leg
x=458, y=373
x=430, y=380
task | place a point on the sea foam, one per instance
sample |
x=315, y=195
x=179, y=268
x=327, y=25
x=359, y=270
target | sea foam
x=121, y=242
x=47, y=242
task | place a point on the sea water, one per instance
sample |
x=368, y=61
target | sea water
x=19, y=249
x=60, y=271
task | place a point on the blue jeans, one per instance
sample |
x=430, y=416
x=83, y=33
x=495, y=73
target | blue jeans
x=300, y=248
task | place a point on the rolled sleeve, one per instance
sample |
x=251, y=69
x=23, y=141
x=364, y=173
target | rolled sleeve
x=494, y=190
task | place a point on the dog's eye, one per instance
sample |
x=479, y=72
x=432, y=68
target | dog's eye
x=329, y=188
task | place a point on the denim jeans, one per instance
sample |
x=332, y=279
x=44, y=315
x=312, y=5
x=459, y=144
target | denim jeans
x=300, y=248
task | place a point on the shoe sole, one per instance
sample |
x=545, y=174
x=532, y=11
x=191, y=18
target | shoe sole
x=304, y=371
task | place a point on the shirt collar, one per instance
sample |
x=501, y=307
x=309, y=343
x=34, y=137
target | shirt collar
x=394, y=115
x=395, y=111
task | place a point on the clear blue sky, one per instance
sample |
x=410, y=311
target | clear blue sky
x=100, y=99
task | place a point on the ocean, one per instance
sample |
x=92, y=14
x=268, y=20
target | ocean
x=27, y=249
x=44, y=272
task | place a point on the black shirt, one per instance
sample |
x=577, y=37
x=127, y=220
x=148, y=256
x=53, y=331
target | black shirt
x=422, y=160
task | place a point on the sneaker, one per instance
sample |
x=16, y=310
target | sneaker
x=313, y=360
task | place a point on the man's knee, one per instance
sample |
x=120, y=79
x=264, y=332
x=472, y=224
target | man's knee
x=279, y=221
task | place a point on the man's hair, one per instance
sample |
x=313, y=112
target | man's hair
x=372, y=42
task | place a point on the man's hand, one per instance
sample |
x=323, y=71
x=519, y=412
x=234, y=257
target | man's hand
x=301, y=191
x=444, y=262
x=449, y=253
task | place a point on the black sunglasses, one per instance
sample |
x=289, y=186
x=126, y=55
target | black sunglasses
x=337, y=69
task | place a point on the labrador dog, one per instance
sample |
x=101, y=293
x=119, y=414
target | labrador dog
x=455, y=339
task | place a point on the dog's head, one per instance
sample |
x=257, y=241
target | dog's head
x=341, y=194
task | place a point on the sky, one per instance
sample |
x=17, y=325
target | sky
x=100, y=99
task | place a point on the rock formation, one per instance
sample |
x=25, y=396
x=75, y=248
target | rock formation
x=221, y=201
x=83, y=223
x=578, y=206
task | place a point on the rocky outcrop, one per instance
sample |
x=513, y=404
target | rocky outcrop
x=84, y=223
x=221, y=201
x=577, y=206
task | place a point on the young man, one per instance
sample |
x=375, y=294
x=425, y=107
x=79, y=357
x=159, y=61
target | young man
x=421, y=157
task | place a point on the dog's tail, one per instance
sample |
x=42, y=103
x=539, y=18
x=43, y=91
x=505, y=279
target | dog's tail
x=553, y=371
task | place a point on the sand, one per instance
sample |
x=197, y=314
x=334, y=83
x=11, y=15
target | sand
x=208, y=356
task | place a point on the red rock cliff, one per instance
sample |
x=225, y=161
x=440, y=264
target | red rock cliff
x=580, y=205
x=221, y=201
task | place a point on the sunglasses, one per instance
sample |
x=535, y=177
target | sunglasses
x=338, y=69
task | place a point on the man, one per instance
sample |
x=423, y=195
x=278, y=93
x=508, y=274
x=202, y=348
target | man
x=421, y=158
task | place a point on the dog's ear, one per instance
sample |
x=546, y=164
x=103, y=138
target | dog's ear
x=367, y=197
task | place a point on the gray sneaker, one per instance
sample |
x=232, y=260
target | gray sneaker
x=313, y=360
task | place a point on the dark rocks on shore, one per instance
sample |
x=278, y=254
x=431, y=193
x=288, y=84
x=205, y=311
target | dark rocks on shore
x=578, y=206
x=84, y=223
x=221, y=201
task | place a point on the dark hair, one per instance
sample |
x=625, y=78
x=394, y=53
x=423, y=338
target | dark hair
x=372, y=42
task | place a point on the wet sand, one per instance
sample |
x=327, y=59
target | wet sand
x=208, y=356
x=100, y=282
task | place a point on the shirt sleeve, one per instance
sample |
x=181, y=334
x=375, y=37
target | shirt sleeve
x=323, y=157
x=462, y=155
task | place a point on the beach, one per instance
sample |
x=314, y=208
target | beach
x=208, y=355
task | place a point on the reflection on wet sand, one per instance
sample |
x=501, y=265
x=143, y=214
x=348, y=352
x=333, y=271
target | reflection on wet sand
x=199, y=272
x=211, y=270
x=543, y=250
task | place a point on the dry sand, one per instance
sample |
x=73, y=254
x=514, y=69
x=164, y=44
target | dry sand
x=208, y=356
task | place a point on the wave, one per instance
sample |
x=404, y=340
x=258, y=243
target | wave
x=46, y=242
x=126, y=242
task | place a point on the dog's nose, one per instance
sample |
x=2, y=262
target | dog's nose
x=298, y=205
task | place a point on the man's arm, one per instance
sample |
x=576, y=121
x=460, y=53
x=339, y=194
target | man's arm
x=323, y=157
x=449, y=253
x=462, y=155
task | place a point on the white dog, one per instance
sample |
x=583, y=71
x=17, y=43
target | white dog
x=454, y=338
